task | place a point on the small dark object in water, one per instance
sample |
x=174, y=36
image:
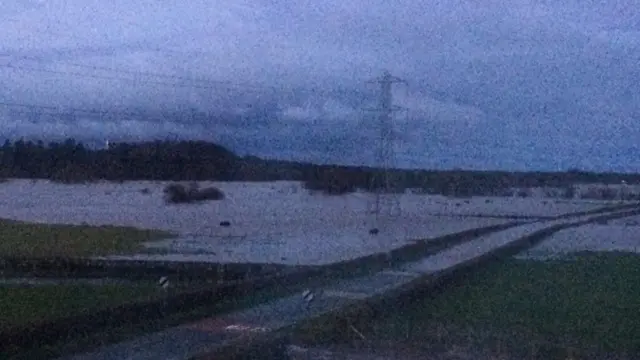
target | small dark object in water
x=374, y=231
x=225, y=223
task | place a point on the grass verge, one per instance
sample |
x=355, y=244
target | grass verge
x=21, y=239
x=24, y=305
x=589, y=303
x=112, y=335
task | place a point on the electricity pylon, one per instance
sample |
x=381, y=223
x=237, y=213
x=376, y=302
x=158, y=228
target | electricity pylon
x=386, y=200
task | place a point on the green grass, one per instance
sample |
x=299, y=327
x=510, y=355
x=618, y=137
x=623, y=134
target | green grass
x=591, y=302
x=27, y=305
x=122, y=333
x=21, y=239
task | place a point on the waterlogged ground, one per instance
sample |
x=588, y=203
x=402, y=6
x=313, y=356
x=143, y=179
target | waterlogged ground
x=270, y=222
x=615, y=235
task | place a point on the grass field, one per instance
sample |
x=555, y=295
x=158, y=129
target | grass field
x=127, y=331
x=22, y=239
x=26, y=305
x=589, y=305
x=592, y=302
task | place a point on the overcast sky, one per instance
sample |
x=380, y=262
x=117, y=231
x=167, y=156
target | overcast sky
x=507, y=84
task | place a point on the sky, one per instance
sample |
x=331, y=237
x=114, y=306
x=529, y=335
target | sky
x=510, y=84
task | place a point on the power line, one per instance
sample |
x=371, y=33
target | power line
x=138, y=81
x=198, y=83
x=134, y=80
x=61, y=111
x=210, y=84
x=136, y=73
x=195, y=83
x=133, y=76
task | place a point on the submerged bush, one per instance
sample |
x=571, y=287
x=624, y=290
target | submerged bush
x=178, y=193
x=69, y=176
x=331, y=183
x=600, y=193
x=330, y=187
x=570, y=192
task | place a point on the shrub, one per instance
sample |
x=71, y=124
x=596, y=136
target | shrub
x=609, y=194
x=633, y=197
x=69, y=179
x=330, y=188
x=331, y=184
x=553, y=192
x=504, y=192
x=177, y=193
x=600, y=193
x=569, y=192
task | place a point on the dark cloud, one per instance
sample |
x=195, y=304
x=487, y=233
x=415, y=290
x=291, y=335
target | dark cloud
x=516, y=84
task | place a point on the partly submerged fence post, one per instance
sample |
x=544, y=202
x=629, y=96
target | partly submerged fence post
x=220, y=273
x=164, y=287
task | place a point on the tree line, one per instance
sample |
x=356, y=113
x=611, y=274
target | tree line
x=72, y=161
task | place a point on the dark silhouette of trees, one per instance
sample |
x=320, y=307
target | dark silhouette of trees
x=332, y=180
x=71, y=161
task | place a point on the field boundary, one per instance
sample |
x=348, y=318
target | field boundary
x=57, y=267
x=135, y=270
x=54, y=331
x=149, y=312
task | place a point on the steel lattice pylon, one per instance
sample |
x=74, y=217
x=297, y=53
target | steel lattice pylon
x=384, y=182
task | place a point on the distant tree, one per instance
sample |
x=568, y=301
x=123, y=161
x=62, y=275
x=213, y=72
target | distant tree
x=71, y=161
x=570, y=192
x=331, y=181
x=608, y=193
